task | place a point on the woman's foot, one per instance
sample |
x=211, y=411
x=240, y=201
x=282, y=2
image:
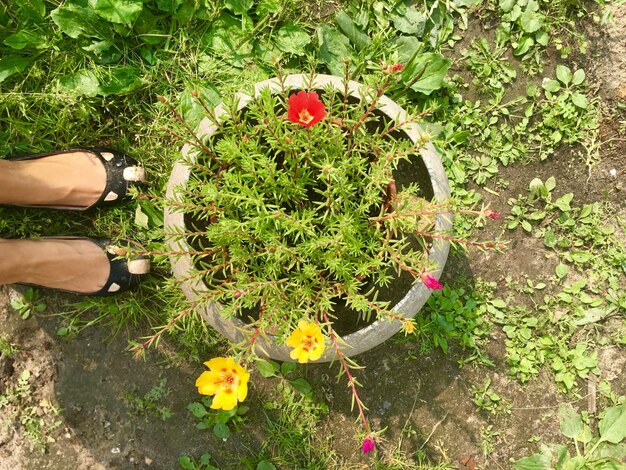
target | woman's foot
x=75, y=179
x=71, y=264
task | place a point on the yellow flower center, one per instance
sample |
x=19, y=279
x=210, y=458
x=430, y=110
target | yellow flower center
x=229, y=379
x=304, y=116
x=308, y=342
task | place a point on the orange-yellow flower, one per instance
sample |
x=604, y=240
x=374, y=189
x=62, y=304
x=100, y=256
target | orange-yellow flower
x=307, y=341
x=227, y=380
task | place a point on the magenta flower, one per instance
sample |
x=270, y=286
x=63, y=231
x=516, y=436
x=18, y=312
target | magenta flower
x=368, y=445
x=430, y=281
x=492, y=214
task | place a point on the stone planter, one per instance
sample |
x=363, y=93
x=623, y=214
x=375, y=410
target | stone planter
x=363, y=339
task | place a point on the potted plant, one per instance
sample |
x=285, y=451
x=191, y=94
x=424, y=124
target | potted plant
x=308, y=221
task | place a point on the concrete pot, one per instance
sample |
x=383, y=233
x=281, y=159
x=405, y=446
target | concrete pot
x=363, y=339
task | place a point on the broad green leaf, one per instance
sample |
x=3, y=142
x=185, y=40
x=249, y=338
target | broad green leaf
x=533, y=462
x=408, y=47
x=288, y=367
x=426, y=72
x=563, y=202
x=117, y=11
x=408, y=20
x=265, y=465
x=561, y=270
x=571, y=423
x=185, y=462
x=301, y=385
x=76, y=19
x=541, y=37
x=594, y=315
x=221, y=431
x=238, y=7
x=25, y=38
x=581, y=256
x=169, y=6
x=267, y=368
x=120, y=80
x=359, y=39
x=579, y=100
x=612, y=424
x=197, y=409
x=334, y=49
x=550, y=183
x=292, y=39
x=12, y=64
x=31, y=10
x=265, y=7
x=531, y=20
x=550, y=85
x=578, y=77
x=83, y=82
x=564, y=74
x=524, y=45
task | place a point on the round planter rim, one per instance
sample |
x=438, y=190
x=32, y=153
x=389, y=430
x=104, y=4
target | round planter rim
x=353, y=343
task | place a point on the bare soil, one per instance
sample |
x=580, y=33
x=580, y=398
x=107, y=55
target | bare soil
x=424, y=401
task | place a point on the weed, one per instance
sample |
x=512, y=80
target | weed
x=28, y=303
x=7, y=348
x=217, y=420
x=148, y=404
x=593, y=451
x=18, y=403
x=203, y=463
x=485, y=398
x=488, y=440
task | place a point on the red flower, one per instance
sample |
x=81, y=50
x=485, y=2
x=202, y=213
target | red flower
x=396, y=67
x=368, y=445
x=492, y=214
x=430, y=281
x=305, y=108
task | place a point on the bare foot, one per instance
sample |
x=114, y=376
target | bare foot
x=75, y=179
x=77, y=265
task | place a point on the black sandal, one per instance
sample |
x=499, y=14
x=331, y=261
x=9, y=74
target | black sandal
x=127, y=270
x=122, y=172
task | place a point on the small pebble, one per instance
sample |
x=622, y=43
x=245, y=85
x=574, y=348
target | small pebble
x=148, y=461
x=613, y=172
x=115, y=450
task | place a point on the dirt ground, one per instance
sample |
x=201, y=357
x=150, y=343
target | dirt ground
x=78, y=386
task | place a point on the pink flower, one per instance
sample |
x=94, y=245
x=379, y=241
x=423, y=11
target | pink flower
x=493, y=214
x=368, y=445
x=430, y=281
x=305, y=108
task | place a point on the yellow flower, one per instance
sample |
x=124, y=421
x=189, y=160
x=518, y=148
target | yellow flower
x=409, y=327
x=227, y=380
x=307, y=341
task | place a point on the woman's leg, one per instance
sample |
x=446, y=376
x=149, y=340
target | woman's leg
x=68, y=179
x=71, y=264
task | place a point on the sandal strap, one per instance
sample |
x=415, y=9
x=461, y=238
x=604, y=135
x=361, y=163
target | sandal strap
x=120, y=276
x=120, y=176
